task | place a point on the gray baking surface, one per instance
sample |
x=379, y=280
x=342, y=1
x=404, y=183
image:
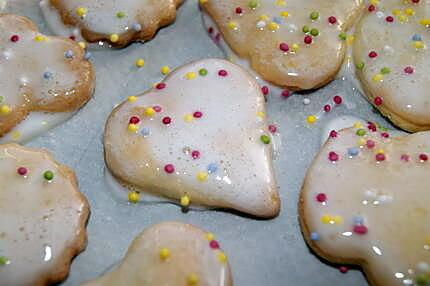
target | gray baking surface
x=261, y=252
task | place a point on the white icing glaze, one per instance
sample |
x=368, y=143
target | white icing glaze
x=227, y=136
x=404, y=95
x=43, y=222
x=36, y=75
x=189, y=252
x=376, y=210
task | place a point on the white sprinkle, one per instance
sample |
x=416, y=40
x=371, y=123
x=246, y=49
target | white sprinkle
x=306, y=101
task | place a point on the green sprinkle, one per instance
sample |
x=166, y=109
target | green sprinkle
x=422, y=280
x=120, y=14
x=361, y=132
x=203, y=72
x=253, y=4
x=315, y=32
x=315, y=15
x=4, y=260
x=305, y=29
x=342, y=36
x=1, y=99
x=48, y=175
x=265, y=139
x=360, y=66
x=385, y=70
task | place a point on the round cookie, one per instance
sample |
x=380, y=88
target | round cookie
x=365, y=201
x=171, y=253
x=47, y=76
x=43, y=217
x=392, y=58
x=116, y=22
x=295, y=44
x=199, y=137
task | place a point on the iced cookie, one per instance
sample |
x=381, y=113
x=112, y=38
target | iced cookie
x=365, y=201
x=392, y=57
x=295, y=44
x=115, y=22
x=43, y=217
x=42, y=79
x=174, y=254
x=200, y=136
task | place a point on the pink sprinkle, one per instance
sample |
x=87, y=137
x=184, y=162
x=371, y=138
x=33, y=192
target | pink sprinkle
x=195, y=154
x=332, y=20
x=327, y=108
x=134, y=120
x=169, y=168
x=373, y=54
x=360, y=229
x=308, y=40
x=265, y=90
x=405, y=158
x=197, y=114
x=284, y=47
x=378, y=100
x=380, y=157
x=157, y=108
x=160, y=85
x=409, y=70
x=333, y=156
x=285, y=93
x=321, y=197
x=343, y=269
x=222, y=73
x=389, y=19
x=333, y=134
x=22, y=171
x=423, y=157
x=167, y=120
x=370, y=144
x=214, y=244
x=337, y=99
x=273, y=128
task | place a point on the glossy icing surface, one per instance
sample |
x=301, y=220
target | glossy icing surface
x=365, y=201
x=38, y=74
x=174, y=254
x=289, y=43
x=202, y=134
x=392, y=54
x=43, y=221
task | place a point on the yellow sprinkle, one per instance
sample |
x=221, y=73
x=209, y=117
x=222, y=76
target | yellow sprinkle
x=15, y=135
x=361, y=142
x=263, y=17
x=378, y=77
x=82, y=45
x=185, y=201
x=261, y=114
x=202, y=176
x=232, y=25
x=374, y=2
x=350, y=40
x=396, y=12
x=281, y=2
x=419, y=44
x=311, y=119
x=203, y=1
x=337, y=219
x=222, y=257
x=425, y=21
x=295, y=48
x=409, y=11
x=358, y=125
x=284, y=14
x=140, y=63
x=188, y=118
x=81, y=11
x=132, y=98
x=4, y=109
x=114, y=38
x=133, y=197
x=190, y=75
x=165, y=70
x=164, y=253
x=428, y=241
x=403, y=18
x=133, y=127
x=380, y=151
x=39, y=38
x=325, y=219
x=273, y=26
x=192, y=279
x=210, y=236
x=149, y=111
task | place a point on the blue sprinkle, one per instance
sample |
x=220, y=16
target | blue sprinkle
x=353, y=151
x=87, y=55
x=277, y=20
x=315, y=236
x=358, y=220
x=417, y=37
x=137, y=27
x=47, y=75
x=212, y=168
x=68, y=54
x=145, y=132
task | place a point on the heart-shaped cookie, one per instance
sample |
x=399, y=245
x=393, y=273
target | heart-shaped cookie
x=295, y=44
x=174, y=254
x=116, y=22
x=39, y=74
x=365, y=201
x=43, y=217
x=201, y=137
x=392, y=57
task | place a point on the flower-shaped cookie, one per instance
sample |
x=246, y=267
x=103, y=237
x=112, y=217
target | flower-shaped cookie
x=171, y=253
x=39, y=73
x=365, y=201
x=201, y=137
x=295, y=44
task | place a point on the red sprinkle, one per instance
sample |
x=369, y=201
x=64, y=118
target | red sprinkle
x=273, y=128
x=371, y=8
x=327, y=108
x=197, y=114
x=284, y=47
x=239, y=10
x=360, y=229
x=195, y=154
x=380, y=157
x=389, y=19
x=385, y=135
x=265, y=90
x=371, y=126
x=134, y=120
x=73, y=38
x=308, y=40
x=157, y=108
x=214, y=244
x=321, y=197
x=14, y=38
x=332, y=20
x=409, y=70
x=378, y=100
x=370, y=144
x=415, y=1
x=343, y=269
x=160, y=85
x=332, y=156
x=423, y=157
x=337, y=99
x=169, y=168
x=333, y=134
x=404, y=158
x=167, y=120
x=210, y=30
x=22, y=171
x=222, y=73
x=285, y=93
x=373, y=54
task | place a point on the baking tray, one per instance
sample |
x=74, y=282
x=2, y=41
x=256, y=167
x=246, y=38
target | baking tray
x=261, y=252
